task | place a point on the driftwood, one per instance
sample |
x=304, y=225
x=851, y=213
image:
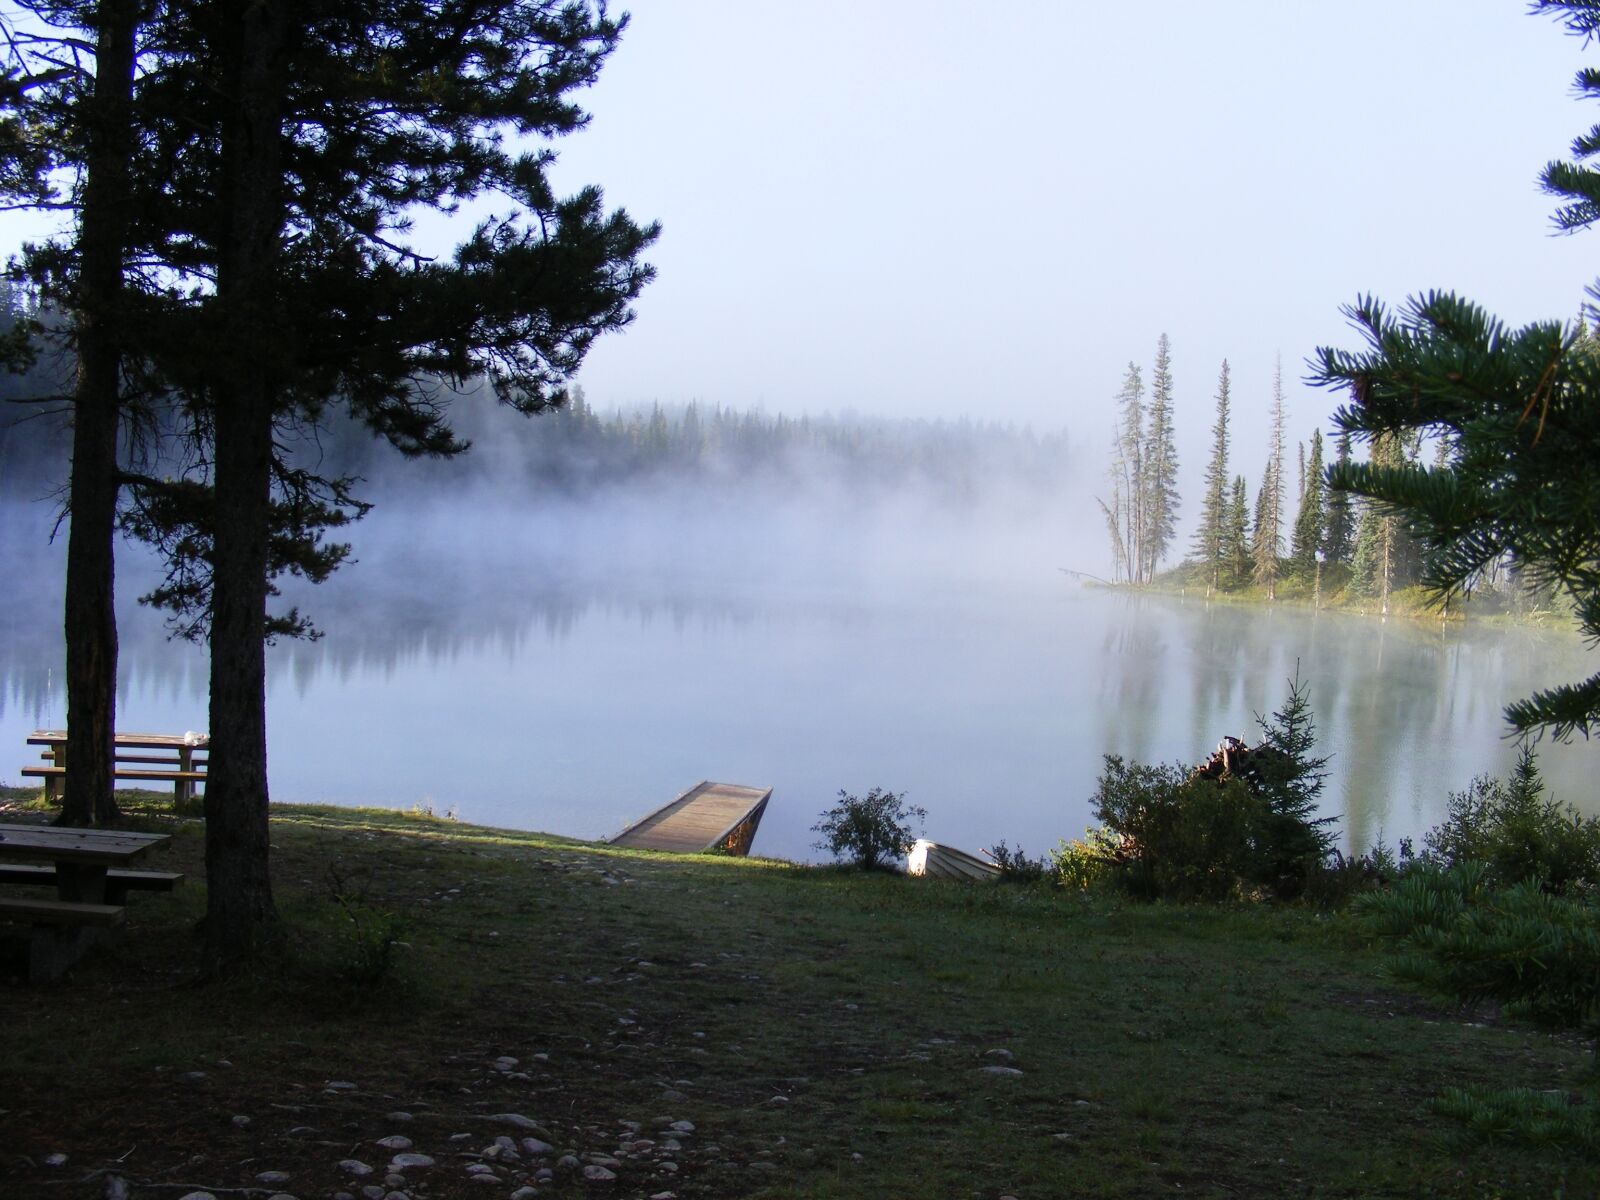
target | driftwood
x=1233, y=759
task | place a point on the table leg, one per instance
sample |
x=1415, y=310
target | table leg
x=81, y=883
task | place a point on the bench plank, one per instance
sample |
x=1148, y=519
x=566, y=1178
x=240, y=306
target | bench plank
x=59, y=912
x=126, y=880
x=120, y=773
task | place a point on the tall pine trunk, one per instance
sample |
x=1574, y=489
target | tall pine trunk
x=240, y=915
x=90, y=611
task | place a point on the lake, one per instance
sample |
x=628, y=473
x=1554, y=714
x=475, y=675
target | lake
x=570, y=667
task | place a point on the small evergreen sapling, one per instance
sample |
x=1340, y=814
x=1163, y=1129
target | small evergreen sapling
x=1290, y=779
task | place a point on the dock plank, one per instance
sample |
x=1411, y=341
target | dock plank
x=701, y=819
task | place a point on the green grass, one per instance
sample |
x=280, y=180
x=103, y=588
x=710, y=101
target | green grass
x=824, y=1031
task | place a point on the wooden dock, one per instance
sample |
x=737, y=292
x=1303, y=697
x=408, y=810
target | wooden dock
x=709, y=816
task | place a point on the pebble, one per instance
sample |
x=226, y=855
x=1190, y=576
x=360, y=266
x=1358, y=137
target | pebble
x=597, y=1174
x=401, y=1161
x=544, y=1175
x=240, y=1121
x=373, y=1192
x=479, y=1169
x=272, y=1178
x=198, y=1196
x=568, y=1162
x=664, y=1196
x=682, y=1127
x=524, y=1193
x=354, y=1166
x=55, y=1160
x=192, y=1076
x=400, y=1117
x=394, y=1142
x=1002, y=1072
x=392, y=1180
x=1004, y=1055
x=339, y=1085
x=517, y=1121
x=674, y=1095
x=535, y=1147
x=604, y=1160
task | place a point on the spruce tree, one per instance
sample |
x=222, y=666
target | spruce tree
x=1268, y=543
x=1208, y=538
x=1236, y=536
x=1129, y=471
x=1312, y=519
x=1160, y=459
x=1338, y=539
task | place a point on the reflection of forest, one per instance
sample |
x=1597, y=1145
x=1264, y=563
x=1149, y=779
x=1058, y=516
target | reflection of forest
x=1408, y=710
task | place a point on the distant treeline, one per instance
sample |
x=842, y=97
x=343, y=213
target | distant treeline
x=576, y=450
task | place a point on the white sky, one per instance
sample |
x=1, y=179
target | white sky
x=947, y=208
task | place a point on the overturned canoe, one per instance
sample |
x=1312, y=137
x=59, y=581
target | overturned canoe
x=709, y=816
x=946, y=862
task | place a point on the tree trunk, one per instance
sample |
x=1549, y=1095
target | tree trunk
x=90, y=616
x=240, y=916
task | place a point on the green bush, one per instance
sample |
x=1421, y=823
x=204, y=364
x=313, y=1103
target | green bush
x=1518, y=833
x=1082, y=864
x=871, y=830
x=1015, y=865
x=1534, y=952
x=1176, y=838
x=1170, y=834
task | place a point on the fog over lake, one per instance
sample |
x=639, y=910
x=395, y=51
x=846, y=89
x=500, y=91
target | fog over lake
x=569, y=665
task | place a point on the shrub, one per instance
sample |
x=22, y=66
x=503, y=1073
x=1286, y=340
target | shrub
x=869, y=830
x=1171, y=833
x=1518, y=833
x=1173, y=837
x=1015, y=865
x=1530, y=950
x=1085, y=863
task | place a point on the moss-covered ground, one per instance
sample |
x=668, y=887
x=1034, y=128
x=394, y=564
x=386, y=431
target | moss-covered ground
x=826, y=1033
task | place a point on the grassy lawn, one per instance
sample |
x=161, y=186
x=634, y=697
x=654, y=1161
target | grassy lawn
x=826, y=1035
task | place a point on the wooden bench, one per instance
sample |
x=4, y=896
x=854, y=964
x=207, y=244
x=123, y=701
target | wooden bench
x=139, y=757
x=59, y=930
x=118, y=882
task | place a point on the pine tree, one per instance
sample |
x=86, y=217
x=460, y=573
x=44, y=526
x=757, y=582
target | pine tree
x=289, y=145
x=1312, y=519
x=1236, y=536
x=1338, y=539
x=1208, y=538
x=1128, y=471
x=1261, y=530
x=1268, y=543
x=1160, y=465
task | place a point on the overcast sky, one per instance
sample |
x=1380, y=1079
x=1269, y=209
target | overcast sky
x=960, y=208
x=952, y=208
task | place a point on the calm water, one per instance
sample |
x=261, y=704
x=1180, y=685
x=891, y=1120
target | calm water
x=577, y=669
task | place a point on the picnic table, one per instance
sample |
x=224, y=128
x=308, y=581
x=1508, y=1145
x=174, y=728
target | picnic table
x=87, y=869
x=150, y=757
